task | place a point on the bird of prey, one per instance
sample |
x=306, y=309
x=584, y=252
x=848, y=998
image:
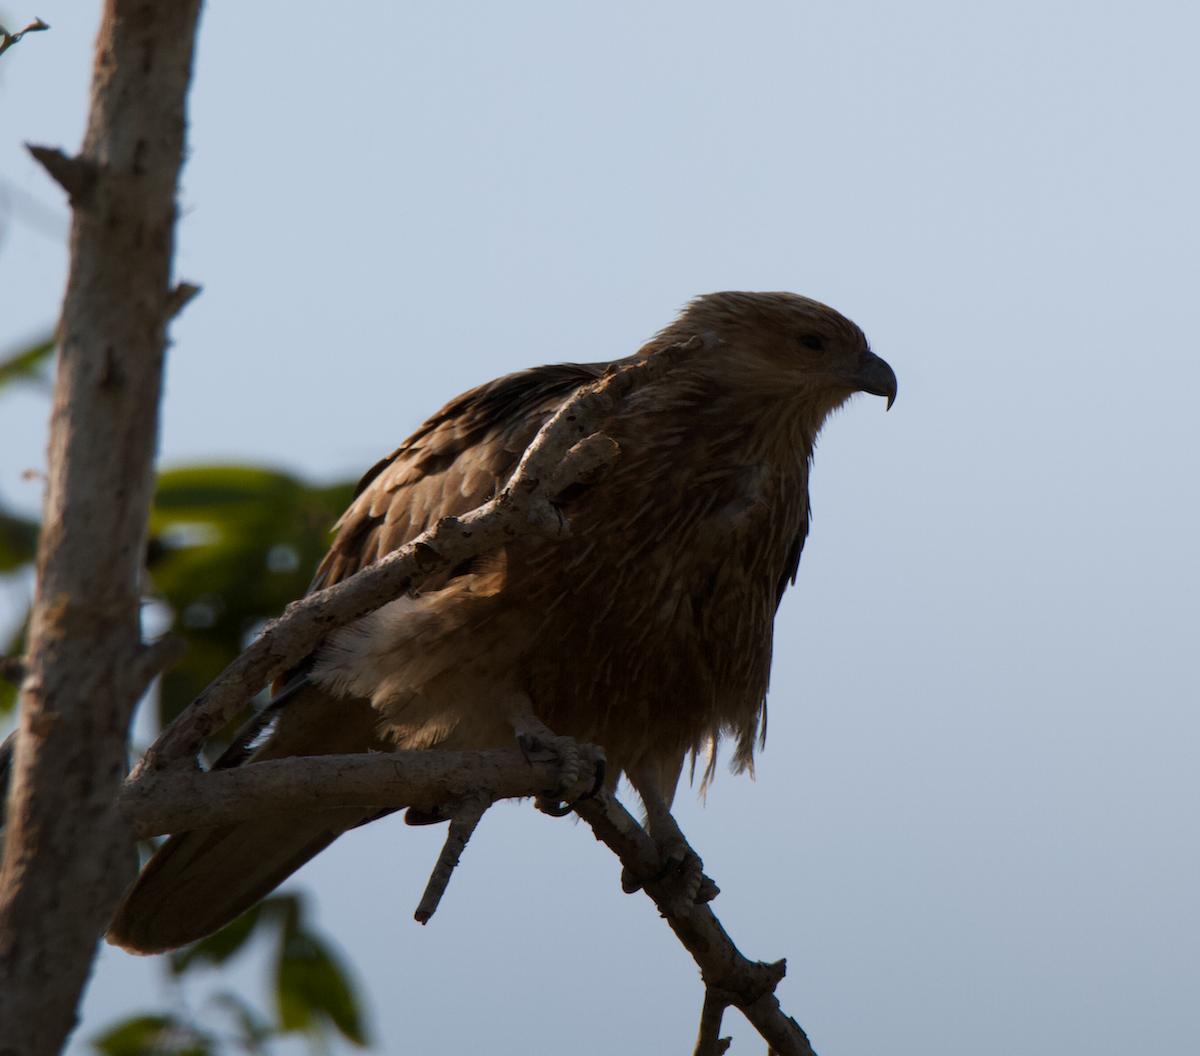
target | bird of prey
x=646, y=630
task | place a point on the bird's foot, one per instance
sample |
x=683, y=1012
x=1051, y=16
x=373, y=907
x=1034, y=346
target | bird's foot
x=581, y=766
x=680, y=872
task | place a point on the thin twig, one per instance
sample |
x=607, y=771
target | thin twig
x=179, y=296
x=709, y=1042
x=76, y=175
x=7, y=39
x=466, y=817
x=158, y=656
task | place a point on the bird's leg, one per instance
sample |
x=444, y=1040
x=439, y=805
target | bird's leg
x=679, y=862
x=581, y=766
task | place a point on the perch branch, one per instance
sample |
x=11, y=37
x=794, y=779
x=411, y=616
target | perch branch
x=470, y=781
x=186, y=799
x=749, y=985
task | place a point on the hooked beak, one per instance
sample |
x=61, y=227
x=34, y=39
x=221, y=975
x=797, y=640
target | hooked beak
x=876, y=377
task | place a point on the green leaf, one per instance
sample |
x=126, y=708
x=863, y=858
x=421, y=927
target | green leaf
x=154, y=1036
x=312, y=987
x=29, y=363
x=254, y=1031
x=14, y=647
x=230, y=547
x=18, y=541
x=218, y=948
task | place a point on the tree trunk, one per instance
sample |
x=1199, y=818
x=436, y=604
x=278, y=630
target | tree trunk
x=68, y=853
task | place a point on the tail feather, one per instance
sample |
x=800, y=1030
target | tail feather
x=199, y=881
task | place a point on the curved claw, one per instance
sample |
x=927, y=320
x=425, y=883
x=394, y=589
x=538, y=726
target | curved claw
x=629, y=881
x=555, y=810
x=413, y=816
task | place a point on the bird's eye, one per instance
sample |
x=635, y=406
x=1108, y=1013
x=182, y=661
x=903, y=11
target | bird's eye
x=811, y=339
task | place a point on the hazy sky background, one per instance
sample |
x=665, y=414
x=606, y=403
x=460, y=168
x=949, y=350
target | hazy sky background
x=973, y=830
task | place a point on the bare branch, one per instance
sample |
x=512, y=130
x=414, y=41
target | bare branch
x=180, y=800
x=468, y=782
x=76, y=176
x=160, y=655
x=461, y=826
x=178, y=298
x=524, y=506
x=750, y=985
x=585, y=463
x=7, y=39
x=709, y=1042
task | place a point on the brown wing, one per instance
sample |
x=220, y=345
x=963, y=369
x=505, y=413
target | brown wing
x=199, y=881
x=453, y=463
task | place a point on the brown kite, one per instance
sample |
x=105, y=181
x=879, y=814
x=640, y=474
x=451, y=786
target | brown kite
x=647, y=630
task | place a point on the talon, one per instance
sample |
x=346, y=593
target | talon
x=413, y=816
x=540, y=744
x=681, y=872
x=533, y=749
x=598, y=782
x=554, y=809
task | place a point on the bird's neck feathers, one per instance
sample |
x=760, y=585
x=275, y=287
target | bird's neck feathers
x=775, y=411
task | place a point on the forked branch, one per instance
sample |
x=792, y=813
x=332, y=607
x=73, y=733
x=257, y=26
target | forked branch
x=468, y=782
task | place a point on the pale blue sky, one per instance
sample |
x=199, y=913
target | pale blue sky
x=974, y=826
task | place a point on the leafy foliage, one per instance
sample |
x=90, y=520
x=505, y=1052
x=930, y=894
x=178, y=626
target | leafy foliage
x=230, y=547
x=30, y=363
x=13, y=648
x=18, y=535
x=18, y=540
x=314, y=994
x=18, y=547
x=154, y=1036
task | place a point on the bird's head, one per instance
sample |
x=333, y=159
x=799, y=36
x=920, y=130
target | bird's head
x=782, y=347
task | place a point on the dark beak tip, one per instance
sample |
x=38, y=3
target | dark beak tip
x=877, y=377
